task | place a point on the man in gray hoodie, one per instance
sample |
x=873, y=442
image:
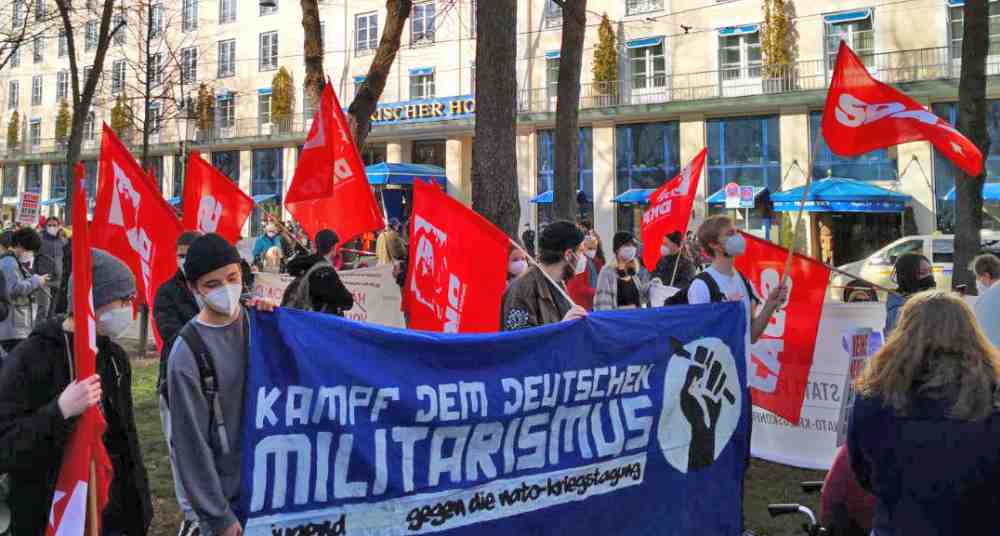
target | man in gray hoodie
x=208, y=464
x=23, y=287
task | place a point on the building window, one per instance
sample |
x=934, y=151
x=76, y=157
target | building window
x=227, y=162
x=89, y=126
x=553, y=15
x=945, y=173
x=855, y=28
x=118, y=25
x=649, y=66
x=422, y=23
x=33, y=172
x=546, y=169
x=13, y=92
x=40, y=10
x=264, y=108
x=472, y=79
x=552, y=77
x=637, y=7
x=87, y=70
x=10, y=172
x=740, y=56
x=227, y=11
x=90, y=35
x=322, y=35
x=117, y=76
x=473, y=18
x=268, y=51
x=365, y=33
x=156, y=69
x=189, y=15
x=745, y=150
x=155, y=119
x=36, y=90
x=268, y=10
x=956, y=28
x=57, y=186
x=156, y=27
x=35, y=137
x=38, y=48
x=647, y=155
x=15, y=56
x=63, y=43
x=878, y=165
x=225, y=111
x=189, y=64
x=227, y=58
x=374, y=154
x=156, y=168
x=421, y=84
x=266, y=178
x=62, y=85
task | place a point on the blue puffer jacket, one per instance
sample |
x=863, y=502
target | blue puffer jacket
x=893, y=305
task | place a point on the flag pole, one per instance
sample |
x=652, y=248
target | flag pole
x=93, y=523
x=802, y=205
x=540, y=269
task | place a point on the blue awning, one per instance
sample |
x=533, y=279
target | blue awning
x=740, y=30
x=547, y=197
x=422, y=71
x=264, y=91
x=552, y=55
x=991, y=192
x=385, y=173
x=264, y=198
x=49, y=202
x=174, y=201
x=719, y=198
x=956, y=3
x=644, y=42
x=360, y=79
x=837, y=194
x=634, y=196
x=848, y=16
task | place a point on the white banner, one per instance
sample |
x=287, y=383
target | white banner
x=28, y=209
x=845, y=329
x=376, y=295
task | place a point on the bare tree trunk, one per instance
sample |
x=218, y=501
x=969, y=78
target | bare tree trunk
x=370, y=92
x=567, y=151
x=494, y=160
x=313, y=50
x=971, y=122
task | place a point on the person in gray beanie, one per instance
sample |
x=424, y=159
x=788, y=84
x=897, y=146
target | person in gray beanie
x=40, y=401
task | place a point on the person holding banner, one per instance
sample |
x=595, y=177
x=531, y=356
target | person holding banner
x=624, y=284
x=22, y=287
x=212, y=349
x=923, y=436
x=39, y=406
x=533, y=299
x=674, y=267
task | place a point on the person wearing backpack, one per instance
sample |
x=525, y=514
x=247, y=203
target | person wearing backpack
x=722, y=282
x=319, y=288
x=40, y=403
x=206, y=378
x=22, y=287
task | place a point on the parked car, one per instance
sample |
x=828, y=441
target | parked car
x=877, y=268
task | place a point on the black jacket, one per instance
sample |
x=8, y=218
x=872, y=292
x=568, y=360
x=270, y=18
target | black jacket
x=33, y=433
x=327, y=291
x=665, y=270
x=59, y=305
x=49, y=260
x=173, y=307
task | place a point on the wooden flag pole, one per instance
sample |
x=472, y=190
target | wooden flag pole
x=802, y=206
x=533, y=261
x=93, y=516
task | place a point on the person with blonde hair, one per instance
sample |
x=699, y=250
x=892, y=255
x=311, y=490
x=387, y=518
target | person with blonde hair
x=924, y=435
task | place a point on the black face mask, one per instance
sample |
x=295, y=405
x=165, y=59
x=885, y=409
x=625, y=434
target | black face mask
x=926, y=283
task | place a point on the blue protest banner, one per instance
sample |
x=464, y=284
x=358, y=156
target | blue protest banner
x=632, y=423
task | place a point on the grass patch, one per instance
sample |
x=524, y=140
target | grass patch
x=766, y=482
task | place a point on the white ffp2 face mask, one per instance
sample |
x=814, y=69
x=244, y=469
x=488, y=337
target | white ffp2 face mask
x=735, y=245
x=114, y=322
x=628, y=253
x=581, y=264
x=224, y=300
x=516, y=268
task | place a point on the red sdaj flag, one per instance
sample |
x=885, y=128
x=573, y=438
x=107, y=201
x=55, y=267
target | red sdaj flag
x=69, y=514
x=863, y=114
x=132, y=221
x=458, y=266
x=781, y=359
x=212, y=202
x=330, y=189
x=670, y=209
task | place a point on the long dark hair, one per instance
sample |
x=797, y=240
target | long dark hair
x=905, y=271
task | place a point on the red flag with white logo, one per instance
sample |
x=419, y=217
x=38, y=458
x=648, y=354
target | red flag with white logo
x=69, y=514
x=132, y=221
x=330, y=189
x=781, y=359
x=458, y=266
x=670, y=209
x=212, y=202
x=863, y=114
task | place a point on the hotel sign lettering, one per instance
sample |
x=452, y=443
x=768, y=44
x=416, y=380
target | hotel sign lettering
x=426, y=110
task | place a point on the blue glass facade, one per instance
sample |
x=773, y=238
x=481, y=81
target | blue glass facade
x=33, y=180
x=744, y=150
x=57, y=188
x=227, y=162
x=945, y=172
x=546, y=170
x=266, y=178
x=878, y=165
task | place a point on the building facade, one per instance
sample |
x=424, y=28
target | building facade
x=691, y=75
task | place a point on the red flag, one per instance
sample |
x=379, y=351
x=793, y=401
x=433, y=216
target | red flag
x=863, y=114
x=670, y=209
x=781, y=359
x=69, y=513
x=458, y=266
x=212, y=202
x=330, y=189
x=132, y=221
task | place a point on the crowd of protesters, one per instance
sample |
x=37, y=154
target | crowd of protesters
x=932, y=393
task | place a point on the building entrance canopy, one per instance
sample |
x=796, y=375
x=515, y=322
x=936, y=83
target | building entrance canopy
x=835, y=194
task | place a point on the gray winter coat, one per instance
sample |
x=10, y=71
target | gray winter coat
x=21, y=289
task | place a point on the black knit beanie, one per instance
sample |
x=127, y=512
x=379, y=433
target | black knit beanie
x=207, y=254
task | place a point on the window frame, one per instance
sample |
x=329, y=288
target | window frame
x=744, y=69
x=13, y=94
x=644, y=6
x=189, y=64
x=118, y=18
x=35, y=134
x=38, y=49
x=424, y=36
x=156, y=69
x=189, y=15
x=372, y=42
x=90, y=35
x=266, y=11
x=117, y=76
x=227, y=16
x=831, y=40
x=62, y=85
x=156, y=27
x=648, y=59
x=423, y=84
x=264, y=117
x=226, y=50
x=63, y=45
x=225, y=110
x=267, y=61
x=155, y=119
x=955, y=38
x=718, y=155
x=36, y=90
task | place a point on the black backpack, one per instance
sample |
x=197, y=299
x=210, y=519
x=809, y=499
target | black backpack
x=714, y=292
